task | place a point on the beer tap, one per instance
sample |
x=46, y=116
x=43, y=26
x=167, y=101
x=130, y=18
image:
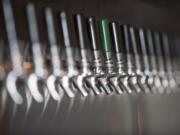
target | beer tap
x=16, y=58
x=168, y=62
x=39, y=74
x=136, y=52
x=57, y=70
x=145, y=58
x=153, y=79
x=161, y=80
x=66, y=81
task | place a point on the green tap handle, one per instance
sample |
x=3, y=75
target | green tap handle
x=105, y=35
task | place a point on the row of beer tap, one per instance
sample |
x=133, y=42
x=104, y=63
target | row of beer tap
x=122, y=59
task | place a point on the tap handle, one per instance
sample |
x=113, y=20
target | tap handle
x=134, y=41
x=56, y=61
x=117, y=38
x=68, y=48
x=145, y=54
x=126, y=39
x=93, y=34
x=105, y=35
x=81, y=30
x=166, y=51
x=34, y=37
x=158, y=50
x=12, y=36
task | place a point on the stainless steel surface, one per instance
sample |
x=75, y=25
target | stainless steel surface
x=151, y=114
